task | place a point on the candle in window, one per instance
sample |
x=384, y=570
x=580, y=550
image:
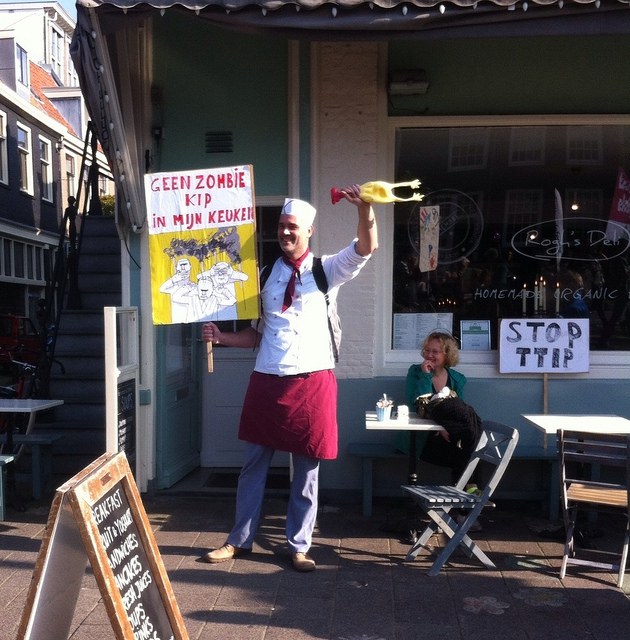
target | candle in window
x=524, y=292
x=535, y=296
x=543, y=296
x=557, y=298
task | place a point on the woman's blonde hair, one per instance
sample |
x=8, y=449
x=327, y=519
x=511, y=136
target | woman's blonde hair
x=449, y=345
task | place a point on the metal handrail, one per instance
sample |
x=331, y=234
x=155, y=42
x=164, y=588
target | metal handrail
x=65, y=273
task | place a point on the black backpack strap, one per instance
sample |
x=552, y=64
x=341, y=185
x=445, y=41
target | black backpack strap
x=320, y=276
x=322, y=285
x=263, y=276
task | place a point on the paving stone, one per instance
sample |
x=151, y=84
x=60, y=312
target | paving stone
x=363, y=588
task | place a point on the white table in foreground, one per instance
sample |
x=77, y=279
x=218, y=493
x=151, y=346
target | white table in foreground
x=596, y=423
x=589, y=423
x=413, y=424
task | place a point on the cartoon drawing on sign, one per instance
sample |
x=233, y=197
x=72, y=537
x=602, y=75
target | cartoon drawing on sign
x=199, y=301
x=207, y=219
x=214, y=296
x=224, y=277
x=178, y=285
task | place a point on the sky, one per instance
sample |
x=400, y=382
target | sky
x=70, y=7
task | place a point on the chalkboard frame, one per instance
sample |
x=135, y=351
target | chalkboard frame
x=53, y=592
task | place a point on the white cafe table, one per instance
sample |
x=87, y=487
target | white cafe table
x=27, y=405
x=24, y=405
x=30, y=406
x=596, y=423
x=411, y=425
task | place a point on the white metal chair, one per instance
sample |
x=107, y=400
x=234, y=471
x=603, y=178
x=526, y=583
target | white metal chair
x=495, y=447
x=584, y=458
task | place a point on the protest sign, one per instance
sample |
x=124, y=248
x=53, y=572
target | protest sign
x=544, y=345
x=202, y=245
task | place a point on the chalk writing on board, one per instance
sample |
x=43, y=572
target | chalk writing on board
x=128, y=561
x=127, y=419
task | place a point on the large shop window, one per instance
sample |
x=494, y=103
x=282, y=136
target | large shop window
x=516, y=221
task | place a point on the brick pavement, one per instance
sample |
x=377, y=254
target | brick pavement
x=362, y=589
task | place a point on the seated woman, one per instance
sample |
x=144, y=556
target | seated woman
x=440, y=354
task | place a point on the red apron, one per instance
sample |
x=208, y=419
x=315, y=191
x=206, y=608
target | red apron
x=297, y=413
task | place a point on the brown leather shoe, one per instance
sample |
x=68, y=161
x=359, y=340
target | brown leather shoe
x=302, y=562
x=226, y=552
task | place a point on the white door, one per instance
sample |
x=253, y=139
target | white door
x=223, y=392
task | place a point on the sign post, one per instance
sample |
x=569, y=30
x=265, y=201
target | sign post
x=98, y=516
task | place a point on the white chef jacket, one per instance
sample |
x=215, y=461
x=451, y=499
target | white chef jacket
x=298, y=340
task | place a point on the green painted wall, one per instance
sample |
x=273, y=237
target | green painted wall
x=208, y=79
x=516, y=75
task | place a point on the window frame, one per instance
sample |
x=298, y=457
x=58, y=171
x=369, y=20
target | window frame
x=4, y=154
x=72, y=77
x=56, y=51
x=46, y=166
x=478, y=364
x=22, y=262
x=595, y=148
x=517, y=151
x=70, y=177
x=25, y=159
x=21, y=65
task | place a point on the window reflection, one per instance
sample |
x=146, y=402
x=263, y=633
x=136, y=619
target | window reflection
x=531, y=223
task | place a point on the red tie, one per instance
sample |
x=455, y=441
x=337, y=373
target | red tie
x=295, y=273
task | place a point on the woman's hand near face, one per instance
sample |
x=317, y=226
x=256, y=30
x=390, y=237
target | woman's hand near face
x=426, y=366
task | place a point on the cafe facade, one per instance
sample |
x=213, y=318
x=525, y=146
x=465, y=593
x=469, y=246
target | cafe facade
x=514, y=116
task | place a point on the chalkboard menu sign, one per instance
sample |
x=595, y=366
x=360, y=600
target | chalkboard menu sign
x=98, y=516
x=130, y=565
x=127, y=419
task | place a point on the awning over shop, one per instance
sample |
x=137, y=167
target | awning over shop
x=391, y=19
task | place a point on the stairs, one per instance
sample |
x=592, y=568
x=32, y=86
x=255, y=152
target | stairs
x=81, y=350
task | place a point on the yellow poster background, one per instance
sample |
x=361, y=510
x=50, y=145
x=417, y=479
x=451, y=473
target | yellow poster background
x=202, y=245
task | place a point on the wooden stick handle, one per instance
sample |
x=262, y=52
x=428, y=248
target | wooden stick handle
x=210, y=357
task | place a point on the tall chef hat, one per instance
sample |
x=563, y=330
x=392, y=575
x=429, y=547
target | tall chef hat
x=304, y=212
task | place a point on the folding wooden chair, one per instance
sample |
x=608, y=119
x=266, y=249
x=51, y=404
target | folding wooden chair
x=584, y=458
x=495, y=447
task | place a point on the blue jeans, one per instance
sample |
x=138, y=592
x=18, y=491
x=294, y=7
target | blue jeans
x=302, y=508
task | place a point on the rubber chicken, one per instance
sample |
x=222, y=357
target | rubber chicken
x=381, y=192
